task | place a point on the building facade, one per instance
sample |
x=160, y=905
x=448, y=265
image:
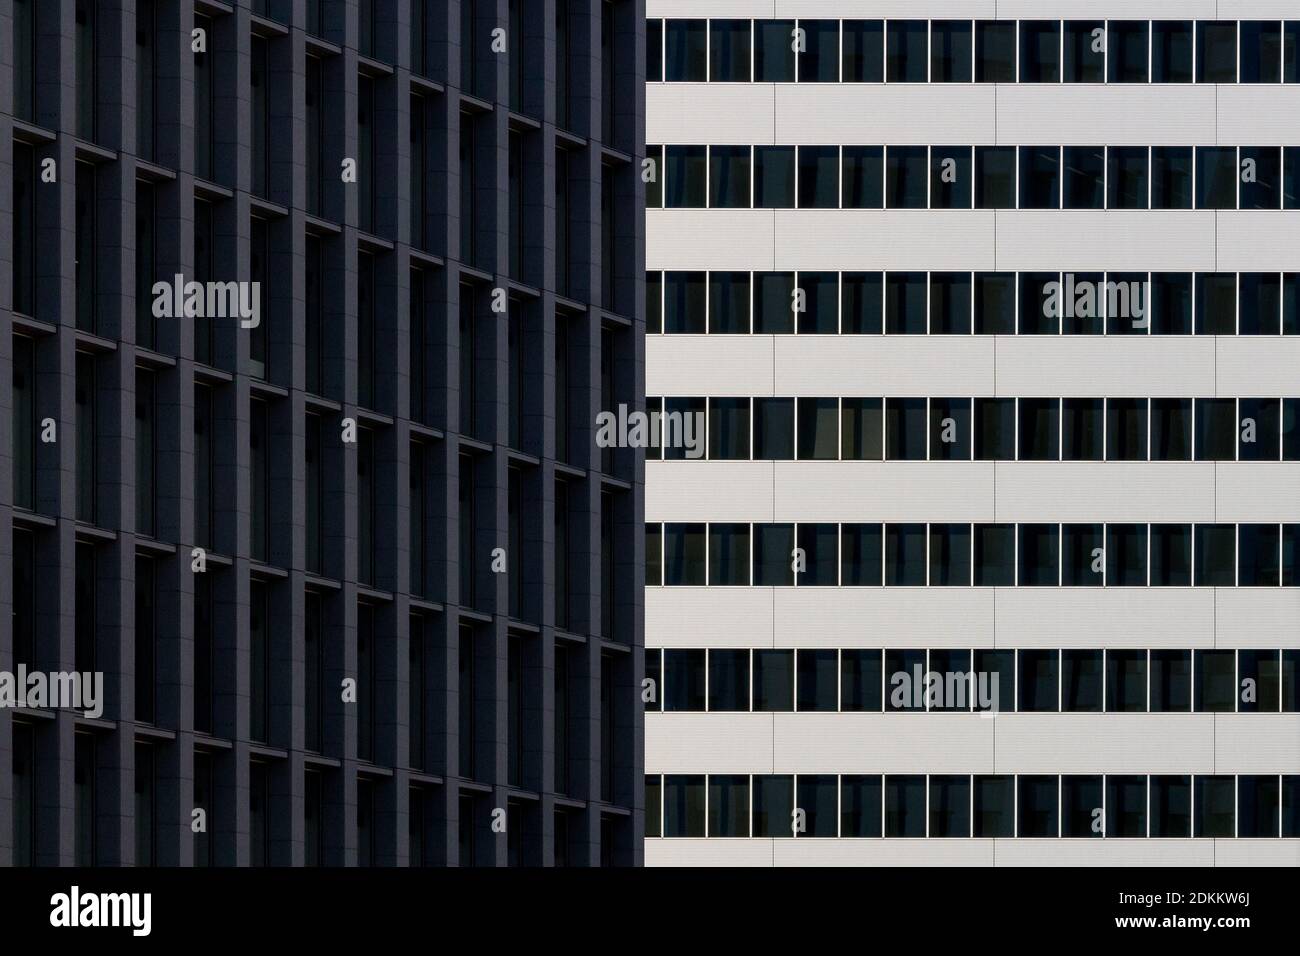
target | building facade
x=307, y=308
x=993, y=553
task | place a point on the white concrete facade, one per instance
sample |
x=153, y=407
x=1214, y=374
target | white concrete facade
x=1083, y=366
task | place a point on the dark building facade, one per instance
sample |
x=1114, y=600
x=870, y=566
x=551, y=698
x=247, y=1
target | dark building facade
x=360, y=583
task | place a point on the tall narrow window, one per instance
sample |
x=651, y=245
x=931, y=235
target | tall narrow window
x=515, y=710
x=419, y=44
x=467, y=531
x=562, y=597
x=145, y=637
x=145, y=265
x=259, y=817
x=468, y=190
x=562, y=224
x=365, y=822
x=259, y=437
x=259, y=662
x=24, y=583
x=465, y=701
x=366, y=27
x=563, y=81
x=204, y=654
x=417, y=709
x=366, y=682
x=204, y=106
x=203, y=466
x=366, y=330
x=25, y=59
x=366, y=154
x=515, y=398
x=419, y=173
x=607, y=71
x=419, y=529
x=87, y=307
x=515, y=533
x=146, y=79
x=517, y=206
x=313, y=813
x=146, y=836
x=468, y=378
x=314, y=672
x=315, y=309
x=366, y=506
x=418, y=358
x=84, y=800
x=516, y=55
x=562, y=423
x=561, y=718
x=87, y=69
x=146, y=465
x=24, y=228
x=24, y=422
x=204, y=259
x=87, y=440
x=315, y=498
x=607, y=726
x=259, y=272
x=85, y=600
x=609, y=288
x=203, y=790
x=315, y=103
x=24, y=794
x=607, y=603
x=261, y=118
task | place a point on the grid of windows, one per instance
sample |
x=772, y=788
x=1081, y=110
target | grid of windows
x=948, y=680
x=974, y=177
x=242, y=423
x=973, y=806
x=965, y=51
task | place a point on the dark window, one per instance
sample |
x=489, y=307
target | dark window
x=1260, y=309
x=1085, y=51
x=684, y=555
x=260, y=81
x=1171, y=555
x=314, y=675
x=995, y=429
x=259, y=657
x=1082, y=429
x=1171, y=806
x=728, y=680
x=729, y=177
x=1171, y=51
x=950, y=51
x=818, y=428
x=87, y=278
x=906, y=43
x=861, y=555
x=1214, y=805
x=205, y=108
x=467, y=707
x=1171, y=429
x=906, y=177
x=729, y=51
x=1128, y=44
x=1040, y=177
x=87, y=400
x=1081, y=806
x=819, y=176
x=204, y=655
x=1126, y=555
x=1082, y=563
x=1126, y=681
x=686, y=51
x=24, y=228
x=774, y=51
x=1083, y=177
x=994, y=803
x=728, y=806
x=1127, y=172
x=1215, y=685
x=1171, y=680
x=24, y=63
x=85, y=792
x=259, y=439
x=24, y=422
x=1037, y=806
x=905, y=564
x=1126, y=806
x=773, y=680
x=146, y=826
x=1215, y=556
x=146, y=651
x=1040, y=438
x=1082, y=675
x=774, y=177
x=995, y=555
x=1258, y=806
x=684, y=686
x=861, y=680
x=87, y=53
x=685, y=301
x=729, y=296
x=1037, y=681
x=820, y=60
x=950, y=177
x=146, y=83
x=729, y=555
x=686, y=177
x=864, y=51
x=684, y=801
x=950, y=429
x=1258, y=685
x=145, y=265
x=997, y=692
x=773, y=429
x=1040, y=51
x=1171, y=177
x=904, y=806
x=995, y=302
x=818, y=679
x=1216, y=177
x=950, y=555
x=995, y=51
x=1216, y=51
x=24, y=794
x=863, y=175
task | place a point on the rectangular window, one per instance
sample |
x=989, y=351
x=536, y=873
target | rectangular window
x=774, y=177
x=315, y=497
x=259, y=814
x=417, y=712
x=904, y=806
x=145, y=457
x=1128, y=46
x=146, y=81
x=861, y=680
x=1037, y=806
x=24, y=422
x=995, y=177
x=24, y=597
x=729, y=50
x=366, y=504
x=1216, y=177
x=1040, y=177
x=1082, y=674
x=204, y=106
x=259, y=438
x=950, y=806
x=259, y=661
x=87, y=53
x=87, y=439
x=314, y=672
x=315, y=121
x=1040, y=52
x=146, y=836
x=24, y=228
x=684, y=802
x=146, y=656
x=145, y=265
x=260, y=81
x=819, y=61
x=419, y=530
x=861, y=555
x=686, y=49
x=315, y=316
x=1085, y=51
x=419, y=360
x=24, y=794
x=204, y=655
x=87, y=278
x=366, y=330
x=906, y=51
x=84, y=793
x=864, y=51
x=466, y=520
x=863, y=174
x=313, y=817
x=1216, y=51
x=774, y=51
x=993, y=806
x=950, y=51
x=562, y=729
x=906, y=177
x=366, y=682
x=24, y=48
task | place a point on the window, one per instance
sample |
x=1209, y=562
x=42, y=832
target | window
x=905, y=564
x=1082, y=674
x=906, y=43
x=684, y=801
x=467, y=706
x=260, y=81
x=995, y=299
x=995, y=177
x=1216, y=51
x=1040, y=51
x=654, y=53
x=818, y=680
x=366, y=681
x=774, y=51
x=728, y=177
x=367, y=503
x=87, y=277
x=773, y=680
x=686, y=51
x=24, y=597
x=85, y=804
x=24, y=49
x=950, y=177
x=1084, y=177
x=24, y=228
x=259, y=438
x=1037, y=681
x=861, y=555
x=1214, y=804
x=87, y=439
x=314, y=679
x=469, y=191
x=315, y=122
x=995, y=51
x=950, y=51
x=818, y=428
x=1216, y=177
x=684, y=684
x=1127, y=50
x=774, y=177
x=1127, y=174
x=864, y=51
x=1215, y=555
x=366, y=331
x=146, y=836
x=861, y=680
x=906, y=177
x=728, y=806
x=87, y=53
x=1040, y=177
x=204, y=655
x=259, y=703
x=1171, y=52
x=819, y=61
x=24, y=422
x=1037, y=802
x=729, y=555
x=259, y=814
x=819, y=176
x=904, y=806
x=993, y=806
x=1085, y=51
x=145, y=640
x=861, y=806
x=1258, y=806
x=728, y=680
x=1039, y=429
x=950, y=806
x=863, y=175
x=146, y=81
x=773, y=806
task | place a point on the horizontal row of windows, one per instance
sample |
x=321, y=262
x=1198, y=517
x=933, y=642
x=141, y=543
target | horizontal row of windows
x=965, y=51
x=966, y=555
x=855, y=680
x=981, y=805
x=979, y=429
x=978, y=177
x=962, y=303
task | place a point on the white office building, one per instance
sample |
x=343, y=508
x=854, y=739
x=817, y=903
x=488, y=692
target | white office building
x=990, y=553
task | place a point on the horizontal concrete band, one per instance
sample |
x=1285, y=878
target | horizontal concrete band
x=1025, y=240
x=971, y=743
x=1028, y=114
x=943, y=852
x=973, y=617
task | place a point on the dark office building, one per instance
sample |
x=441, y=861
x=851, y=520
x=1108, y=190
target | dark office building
x=360, y=583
